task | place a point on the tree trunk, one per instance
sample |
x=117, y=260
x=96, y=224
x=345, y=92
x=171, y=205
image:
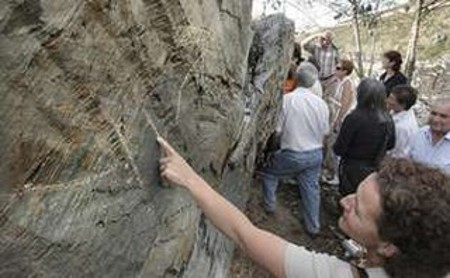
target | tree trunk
x=373, y=43
x=357, y=36
x=373, y=33
x=412, y=45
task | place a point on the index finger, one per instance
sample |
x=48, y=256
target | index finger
x=167, y=148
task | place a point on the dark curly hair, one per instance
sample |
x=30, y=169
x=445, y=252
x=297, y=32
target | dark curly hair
x=396, y=57
x=405, y=95
x=415, y=202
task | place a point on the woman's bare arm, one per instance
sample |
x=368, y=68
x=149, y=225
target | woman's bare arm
x=345, y=101
x=263, y=247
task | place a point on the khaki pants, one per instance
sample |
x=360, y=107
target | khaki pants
x=329, y=87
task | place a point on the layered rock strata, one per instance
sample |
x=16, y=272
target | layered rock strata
x=85, y=88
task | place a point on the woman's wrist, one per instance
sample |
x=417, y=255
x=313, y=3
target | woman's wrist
x=193, y=180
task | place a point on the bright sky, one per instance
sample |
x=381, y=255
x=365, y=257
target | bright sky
x=305, y=16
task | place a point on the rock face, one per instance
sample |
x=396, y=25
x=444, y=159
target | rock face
x=432, y=79
x=85, y=87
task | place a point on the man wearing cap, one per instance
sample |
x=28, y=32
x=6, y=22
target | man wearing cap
x=302, y=124
x=326, y=54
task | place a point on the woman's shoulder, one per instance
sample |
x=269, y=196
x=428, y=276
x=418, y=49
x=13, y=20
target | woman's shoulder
x=300, y=262
x=357, y=115
x=346, y=80
x=349, y=83
x=401, y=77
x=363, y=118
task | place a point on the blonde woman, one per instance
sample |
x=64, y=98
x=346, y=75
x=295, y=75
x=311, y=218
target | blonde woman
x=345, y=97
x=341, y=103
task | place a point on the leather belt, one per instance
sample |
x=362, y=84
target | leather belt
x=326, y=78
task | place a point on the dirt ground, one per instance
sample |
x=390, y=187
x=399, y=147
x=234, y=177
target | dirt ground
x=287, y=224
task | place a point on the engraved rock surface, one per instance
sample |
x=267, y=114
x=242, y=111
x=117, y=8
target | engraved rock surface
x=85, y=87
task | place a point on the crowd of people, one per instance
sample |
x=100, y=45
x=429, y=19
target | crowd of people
x=393, y=176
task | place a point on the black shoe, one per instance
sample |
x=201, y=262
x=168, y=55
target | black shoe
x=312, y=236
x=269, y=212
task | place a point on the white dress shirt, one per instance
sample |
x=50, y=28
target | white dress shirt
x=317, y=89
x=405, y=128
x=423, y=150
x=303, y=122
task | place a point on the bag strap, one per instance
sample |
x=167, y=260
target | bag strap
x=362, y=272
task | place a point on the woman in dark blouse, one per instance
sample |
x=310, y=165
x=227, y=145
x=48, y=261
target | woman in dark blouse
x=392, y=62
x=365, y=136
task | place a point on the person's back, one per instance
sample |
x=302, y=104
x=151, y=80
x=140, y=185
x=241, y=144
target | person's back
x=306, y=120
x=365, y=136
x=302, y=124
x=405, y=128
x=317, y=89
x=399, y=102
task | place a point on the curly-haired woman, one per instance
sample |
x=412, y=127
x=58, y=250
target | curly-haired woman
x=392, y=62
x=399, y=215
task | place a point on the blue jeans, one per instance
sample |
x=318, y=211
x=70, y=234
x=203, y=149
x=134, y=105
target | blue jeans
x=305, y=167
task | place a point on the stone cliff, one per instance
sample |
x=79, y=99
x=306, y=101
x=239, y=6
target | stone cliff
x=86, y=85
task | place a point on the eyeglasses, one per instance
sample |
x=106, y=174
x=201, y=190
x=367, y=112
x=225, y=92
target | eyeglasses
x=338, y=68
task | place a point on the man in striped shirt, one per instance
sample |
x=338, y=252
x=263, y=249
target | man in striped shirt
x=326, y=55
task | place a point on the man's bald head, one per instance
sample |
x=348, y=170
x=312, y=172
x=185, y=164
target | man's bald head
x=439, y=120
x=326, y=38
x=442, y=101
x=328, y=35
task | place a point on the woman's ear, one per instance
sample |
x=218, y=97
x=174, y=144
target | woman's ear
x=387, y=250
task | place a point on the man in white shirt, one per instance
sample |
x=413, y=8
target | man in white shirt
x=399, y=102
x=316, y=88
x=431, y=145
x=303, y=123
